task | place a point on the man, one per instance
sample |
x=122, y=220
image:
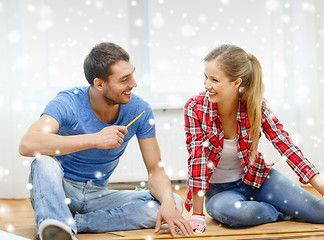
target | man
x=78, y=141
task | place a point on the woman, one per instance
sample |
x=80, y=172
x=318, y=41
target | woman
x=223, y=129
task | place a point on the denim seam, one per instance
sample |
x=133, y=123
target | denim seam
x=41, y=193
x=77, y=220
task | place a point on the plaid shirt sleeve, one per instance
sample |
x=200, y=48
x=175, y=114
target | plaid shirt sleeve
x=274, y=132
x=197, y=161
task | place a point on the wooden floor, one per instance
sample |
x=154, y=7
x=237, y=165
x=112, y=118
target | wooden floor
x=17, y=217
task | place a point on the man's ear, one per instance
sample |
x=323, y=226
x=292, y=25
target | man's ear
x=98, y=83
x=237, y=82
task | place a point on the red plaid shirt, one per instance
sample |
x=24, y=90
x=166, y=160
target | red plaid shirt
x=205, y=138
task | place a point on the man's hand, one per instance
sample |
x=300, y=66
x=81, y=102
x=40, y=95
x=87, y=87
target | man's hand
x=160, y=187
x=110, y=137
x=197, y=223
x=170, y=214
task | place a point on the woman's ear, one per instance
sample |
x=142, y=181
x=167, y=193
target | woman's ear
x=237, y=82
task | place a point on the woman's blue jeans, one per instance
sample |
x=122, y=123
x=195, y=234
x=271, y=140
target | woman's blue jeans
x=237, y=204
x=86, y=206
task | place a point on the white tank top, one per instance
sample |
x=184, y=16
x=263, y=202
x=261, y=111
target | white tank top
x=229, y=168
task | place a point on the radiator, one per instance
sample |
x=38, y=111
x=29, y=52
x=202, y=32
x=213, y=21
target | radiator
x=171, y=138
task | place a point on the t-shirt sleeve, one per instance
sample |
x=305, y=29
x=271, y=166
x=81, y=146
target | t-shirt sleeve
x=146, y=126
x=62, y=109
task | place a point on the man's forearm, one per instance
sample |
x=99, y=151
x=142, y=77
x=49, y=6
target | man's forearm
x=160, y=186
x=53, y=144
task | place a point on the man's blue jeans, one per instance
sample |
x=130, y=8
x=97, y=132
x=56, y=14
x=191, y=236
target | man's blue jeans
x=238, y=205
x=94, y=207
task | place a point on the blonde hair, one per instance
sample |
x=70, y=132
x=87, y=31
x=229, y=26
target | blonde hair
x=236, y=63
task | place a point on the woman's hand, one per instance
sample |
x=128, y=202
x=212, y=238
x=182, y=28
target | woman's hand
x=198, y=223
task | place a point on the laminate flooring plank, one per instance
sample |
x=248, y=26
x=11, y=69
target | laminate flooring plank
x=17, y=217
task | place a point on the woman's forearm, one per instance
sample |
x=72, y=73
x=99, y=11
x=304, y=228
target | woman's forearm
x=198, y=203
x=317, y=182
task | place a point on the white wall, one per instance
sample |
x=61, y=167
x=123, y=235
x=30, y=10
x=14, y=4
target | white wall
x=43, y=44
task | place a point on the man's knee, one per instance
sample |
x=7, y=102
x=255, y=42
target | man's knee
x=178, y=201
x=46, y=165
x=47, y=161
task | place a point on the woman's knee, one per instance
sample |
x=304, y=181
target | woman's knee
x=231, y=214
x=216, y=210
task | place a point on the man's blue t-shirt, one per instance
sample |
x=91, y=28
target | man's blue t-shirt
x=72, y=110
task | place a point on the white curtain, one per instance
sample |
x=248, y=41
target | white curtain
x=43, y=44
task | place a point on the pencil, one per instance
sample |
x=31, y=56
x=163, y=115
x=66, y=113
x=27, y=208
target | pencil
x=135, y=119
